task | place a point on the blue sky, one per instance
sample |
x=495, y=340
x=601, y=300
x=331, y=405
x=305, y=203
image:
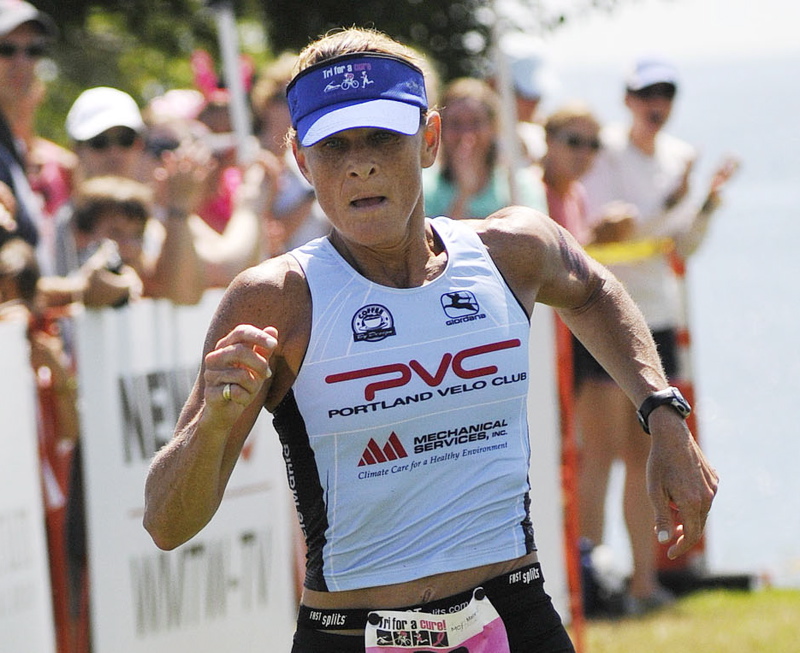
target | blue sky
x=682, y=29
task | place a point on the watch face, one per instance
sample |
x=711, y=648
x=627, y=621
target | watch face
x=680, y=404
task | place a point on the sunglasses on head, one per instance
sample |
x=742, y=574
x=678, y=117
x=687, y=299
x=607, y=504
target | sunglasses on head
x=666, y=91
x=576, y=142
x=33, y=51
x=105, y=140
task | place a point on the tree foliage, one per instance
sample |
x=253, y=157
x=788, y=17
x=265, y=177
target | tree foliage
x=143, y=46
x=452, y=32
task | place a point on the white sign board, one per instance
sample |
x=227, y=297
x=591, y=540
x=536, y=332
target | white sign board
x=26, y=614
x=229, y=588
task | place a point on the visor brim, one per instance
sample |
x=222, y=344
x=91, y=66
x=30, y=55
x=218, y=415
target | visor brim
x=396, y=116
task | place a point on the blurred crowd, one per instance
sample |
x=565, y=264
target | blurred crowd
x=165, y=201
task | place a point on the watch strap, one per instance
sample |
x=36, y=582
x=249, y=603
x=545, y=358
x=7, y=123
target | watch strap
x=670, y=397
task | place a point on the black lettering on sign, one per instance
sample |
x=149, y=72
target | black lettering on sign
x=202, y=582
x=151, y=404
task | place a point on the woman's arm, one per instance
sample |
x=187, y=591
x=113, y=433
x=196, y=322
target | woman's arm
x=543, y=263
x=187, y=478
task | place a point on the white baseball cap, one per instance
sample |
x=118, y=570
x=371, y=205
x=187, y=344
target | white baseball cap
x=530, y=72
x=649, y=70
x=14, y=13
x=101, y=108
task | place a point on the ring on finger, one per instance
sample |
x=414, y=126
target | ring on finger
x=226, y=392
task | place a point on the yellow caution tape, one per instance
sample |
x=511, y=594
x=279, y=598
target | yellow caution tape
x=629, y=251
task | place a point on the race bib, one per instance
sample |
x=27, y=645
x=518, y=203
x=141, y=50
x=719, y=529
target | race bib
x=476, y=628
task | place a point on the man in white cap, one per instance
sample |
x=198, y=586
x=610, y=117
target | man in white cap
x=25, y=34
x=532, y=80
x=644, y=174
x=106, y=126
x=107, y=131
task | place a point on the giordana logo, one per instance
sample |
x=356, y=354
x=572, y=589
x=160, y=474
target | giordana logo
x=392, y=450
x=372, y=322
x=461, y=306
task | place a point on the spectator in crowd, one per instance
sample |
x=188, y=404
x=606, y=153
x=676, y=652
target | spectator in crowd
x=468, y=181
x=532, y=79
x=180, y=141
x=105, y=262
x=638, y=190
x=50, y=166
x=171, y=122
x=314, y=334
x=107, y=132
x=217, y=204
x=108, y=224
x=109, y=136
x=25, y=35
x=289, y=209
x=572, y=135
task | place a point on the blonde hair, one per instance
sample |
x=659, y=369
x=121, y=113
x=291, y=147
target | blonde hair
x=472, y=88
x=354, y=39
x=567, y=113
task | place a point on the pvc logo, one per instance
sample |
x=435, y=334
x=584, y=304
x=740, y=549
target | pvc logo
x=392, y=450
x=403, y=372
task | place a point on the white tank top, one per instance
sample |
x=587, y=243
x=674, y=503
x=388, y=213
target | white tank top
x=405, y=435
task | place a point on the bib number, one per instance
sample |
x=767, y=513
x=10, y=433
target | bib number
x=476, y=628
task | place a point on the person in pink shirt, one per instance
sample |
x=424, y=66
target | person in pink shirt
x=573, y=140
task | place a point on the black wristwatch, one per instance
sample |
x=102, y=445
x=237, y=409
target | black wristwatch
x=670, y=397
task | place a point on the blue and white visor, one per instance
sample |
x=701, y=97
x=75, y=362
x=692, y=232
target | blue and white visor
x=364, y=89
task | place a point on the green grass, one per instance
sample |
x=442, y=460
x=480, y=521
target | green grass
x=718, y=621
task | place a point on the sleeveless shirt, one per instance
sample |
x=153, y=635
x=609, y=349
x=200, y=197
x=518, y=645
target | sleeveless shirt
x=405, y=434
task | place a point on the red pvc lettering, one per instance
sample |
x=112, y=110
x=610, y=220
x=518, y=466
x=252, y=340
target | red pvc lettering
x=372, y=388
x=459, y=369
x=404, y=371
x=437, y=379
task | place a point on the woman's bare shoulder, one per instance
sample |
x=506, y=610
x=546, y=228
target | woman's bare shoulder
x=536, y=257
x=516, y=234
x=272, y=293
x=279, y=275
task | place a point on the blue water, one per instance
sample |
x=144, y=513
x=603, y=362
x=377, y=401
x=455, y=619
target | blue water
x=744, y=302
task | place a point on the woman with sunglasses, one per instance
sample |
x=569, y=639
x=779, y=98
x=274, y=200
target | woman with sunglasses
x=572, y=135
x=106, y=129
